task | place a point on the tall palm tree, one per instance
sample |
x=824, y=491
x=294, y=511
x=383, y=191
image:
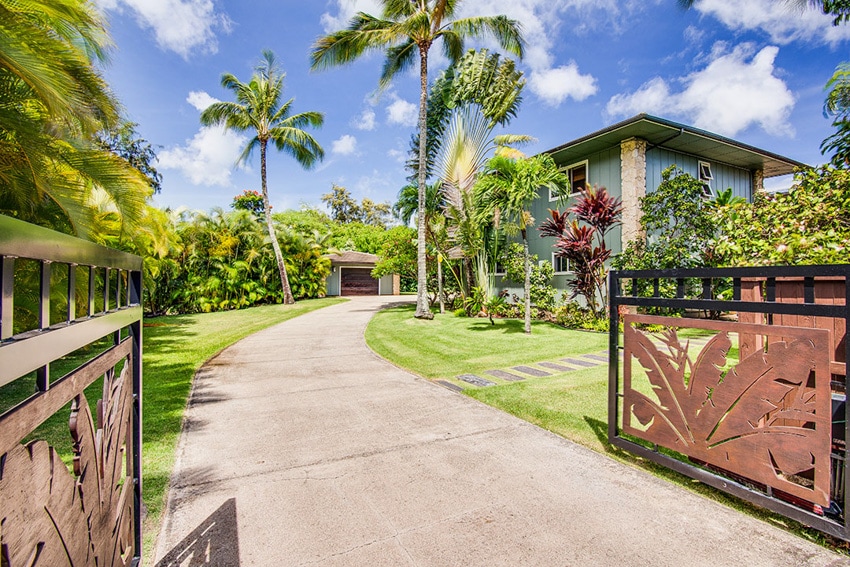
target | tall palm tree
x=258, y=108
x=505, y=194
x=405, y=28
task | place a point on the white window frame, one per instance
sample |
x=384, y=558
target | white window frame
x=702, y=168
x=567, y=170
x=555, y=265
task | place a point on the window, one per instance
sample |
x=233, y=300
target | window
x=577, y=174
x=560, y=264
x=705, y=178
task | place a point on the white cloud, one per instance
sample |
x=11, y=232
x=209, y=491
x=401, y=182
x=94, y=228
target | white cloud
x=397, y=155
x=557, y=84
x=345, y=10
x=201, y=100
x=782, y=21
x=182, y=26
x=402, y=112
x=365, y=120
x=541, y=21
x=209, y=157
x=344, y=146
x=734, y=91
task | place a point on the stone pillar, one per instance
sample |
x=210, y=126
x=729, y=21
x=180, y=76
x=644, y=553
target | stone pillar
x=633, y=183
x=758, y=181
x=396, y=284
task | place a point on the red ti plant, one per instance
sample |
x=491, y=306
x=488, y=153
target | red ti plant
x=582, y=242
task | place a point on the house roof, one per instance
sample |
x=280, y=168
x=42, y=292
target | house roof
x=670, y=135
x=351, y=258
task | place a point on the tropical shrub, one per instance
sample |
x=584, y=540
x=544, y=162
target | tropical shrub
x=541, y=290
x=582, y=242
x=574, y=316
x=807, y=225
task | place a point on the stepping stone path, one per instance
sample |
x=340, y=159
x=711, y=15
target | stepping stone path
x=531, y=371
x=504, y=375
x=586, y=361
x=475, y=380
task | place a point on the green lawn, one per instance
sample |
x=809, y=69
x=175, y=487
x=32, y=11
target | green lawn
x=450, y=345
x=571, y=404
x=174, y=348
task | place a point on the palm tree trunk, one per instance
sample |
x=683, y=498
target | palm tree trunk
x=527, y=286
x=423, y=306
x=440, y=285
x=281, y=266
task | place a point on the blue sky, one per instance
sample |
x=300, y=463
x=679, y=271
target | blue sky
x=753, y=71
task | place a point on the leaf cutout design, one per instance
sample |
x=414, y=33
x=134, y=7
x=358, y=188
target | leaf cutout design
x=767, y=419
x=762, y=380
x=666, y=375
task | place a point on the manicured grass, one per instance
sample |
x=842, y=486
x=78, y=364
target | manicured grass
x=450, y=345
x=174, y=348
x=573, y=405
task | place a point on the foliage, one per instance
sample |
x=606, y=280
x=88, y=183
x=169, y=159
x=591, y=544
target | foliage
x=52, y=170
x=305, y=220
x=574, y=316
x=837, y=106
x=403, y=31
x=542, y=292
x=807, y=225
x=250, y=201
x=506, y=192
x=124, y=142
x=678, y=223
x=584, y=244
x=223, y=260
x=344, y=209
x=259, y=108
x=397, y=254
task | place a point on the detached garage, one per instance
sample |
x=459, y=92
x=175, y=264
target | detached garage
x=351, y=274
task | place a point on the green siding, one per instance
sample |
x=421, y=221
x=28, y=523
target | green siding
x=725, y=176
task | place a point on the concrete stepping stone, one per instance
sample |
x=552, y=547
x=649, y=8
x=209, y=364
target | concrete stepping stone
x=531, y=371
x=598, y=357
x=475, y=380
x=450, y=385
x=556, y=366
x=579, y=362
x=504, y=375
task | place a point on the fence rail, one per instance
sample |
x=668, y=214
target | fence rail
x=759, y=410
x=70, y=314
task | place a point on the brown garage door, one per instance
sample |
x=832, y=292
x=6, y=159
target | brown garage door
x=358, y=281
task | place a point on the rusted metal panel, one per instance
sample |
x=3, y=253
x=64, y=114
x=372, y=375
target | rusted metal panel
x=766, y=417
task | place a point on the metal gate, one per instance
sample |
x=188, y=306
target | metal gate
x=751, y=401
x=70, y=316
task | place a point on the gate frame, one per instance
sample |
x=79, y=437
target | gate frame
x=618, y=298
x=35, y=350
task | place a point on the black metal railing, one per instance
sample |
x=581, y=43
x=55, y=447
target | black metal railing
x=70, y=307
x=768, y=308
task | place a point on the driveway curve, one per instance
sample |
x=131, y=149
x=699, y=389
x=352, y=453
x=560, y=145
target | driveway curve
x=302, y=447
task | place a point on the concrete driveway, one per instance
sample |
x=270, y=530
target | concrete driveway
x=302, y=447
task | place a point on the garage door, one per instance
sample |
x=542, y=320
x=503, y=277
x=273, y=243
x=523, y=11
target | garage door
x=358, y=281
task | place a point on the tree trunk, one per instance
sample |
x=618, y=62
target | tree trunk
x=527, y=286
x=423, y=306
x=440, y=294
x=278, y=255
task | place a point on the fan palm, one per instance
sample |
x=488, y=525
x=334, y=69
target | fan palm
x=258, y=108
x=505, y=194
x=407, y=28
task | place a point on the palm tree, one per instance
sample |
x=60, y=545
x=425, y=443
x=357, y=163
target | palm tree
x=258, y=108
x=51, y=170
x=506, y=192
x=405, y=28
